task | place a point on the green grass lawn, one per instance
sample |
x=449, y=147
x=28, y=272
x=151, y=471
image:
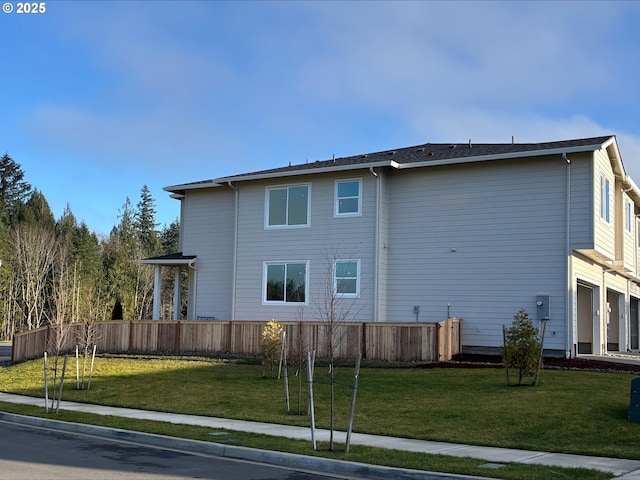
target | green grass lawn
x=569, y=411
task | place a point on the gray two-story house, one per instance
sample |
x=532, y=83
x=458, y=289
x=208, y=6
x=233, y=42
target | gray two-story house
x=475, y=231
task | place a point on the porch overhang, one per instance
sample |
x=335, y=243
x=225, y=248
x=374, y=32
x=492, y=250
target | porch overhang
x=177, y=259
x=172, y=259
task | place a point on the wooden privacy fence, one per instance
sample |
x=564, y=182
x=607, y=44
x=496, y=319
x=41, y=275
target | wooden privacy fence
x=383, y=341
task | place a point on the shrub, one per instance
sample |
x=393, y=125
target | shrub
x=522, y=347
x=271, y=344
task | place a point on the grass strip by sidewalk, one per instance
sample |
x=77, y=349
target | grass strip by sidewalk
x=361, y=454
x=568, y=412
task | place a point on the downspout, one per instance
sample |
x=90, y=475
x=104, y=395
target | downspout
x=194, y=286
x=376, y=266
x=157, y=287
x=627, y=318
x=235, y=253
x=569, y=263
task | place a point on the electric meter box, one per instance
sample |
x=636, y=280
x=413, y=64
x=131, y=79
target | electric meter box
x=543, y=307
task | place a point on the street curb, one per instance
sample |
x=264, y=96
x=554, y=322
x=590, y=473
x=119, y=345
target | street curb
x=290, y=460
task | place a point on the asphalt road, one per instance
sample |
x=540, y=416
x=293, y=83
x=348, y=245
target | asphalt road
x=29, y=453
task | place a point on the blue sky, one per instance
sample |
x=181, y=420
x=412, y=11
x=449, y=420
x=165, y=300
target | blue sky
x=99, y=98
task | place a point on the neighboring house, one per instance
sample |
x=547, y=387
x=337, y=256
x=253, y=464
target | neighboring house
x=475, y=231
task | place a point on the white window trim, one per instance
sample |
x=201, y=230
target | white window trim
x=264, y=283
x=335, y=278
x=280, y=187
x=336, y=200
x=628, y=217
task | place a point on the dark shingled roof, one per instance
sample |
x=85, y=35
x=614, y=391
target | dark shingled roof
x=425, y=153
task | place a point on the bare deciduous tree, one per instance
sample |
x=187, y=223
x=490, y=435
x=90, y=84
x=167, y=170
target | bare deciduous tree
x=297, y=353
x=36, y=253
x=143, y=295
x=334, y=309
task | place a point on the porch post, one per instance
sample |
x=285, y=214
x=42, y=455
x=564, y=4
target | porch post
x=157, y=284
x=176, y=295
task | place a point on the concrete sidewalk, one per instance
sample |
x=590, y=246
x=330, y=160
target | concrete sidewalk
x=622, y=469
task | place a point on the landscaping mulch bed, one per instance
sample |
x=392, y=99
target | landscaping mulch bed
x=582, y=364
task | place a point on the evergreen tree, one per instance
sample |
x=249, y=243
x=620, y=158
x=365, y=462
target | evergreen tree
x=86, y=250
x=66, y=225
x=91, y=292
x=119, y=252
x=144, y=223
x=170, y=238
x=13, y=187
x=35, y=210
x=125, y=229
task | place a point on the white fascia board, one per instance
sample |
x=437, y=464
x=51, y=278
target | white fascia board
x=614, y=153
x=309, y=171
x=192, y=186
x=503, y=156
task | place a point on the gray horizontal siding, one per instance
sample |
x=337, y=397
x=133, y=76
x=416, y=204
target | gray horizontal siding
x=344, y=237
x=209, y=234
x=506, y=222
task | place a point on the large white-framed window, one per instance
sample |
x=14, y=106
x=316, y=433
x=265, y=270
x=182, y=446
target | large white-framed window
x=287, y=206
x=346, y=278
x=628, y=216
x=348, y=198
x=285, y=282
x=605, y=199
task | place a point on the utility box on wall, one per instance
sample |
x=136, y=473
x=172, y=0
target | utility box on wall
x=634, y=404
x=543, y=307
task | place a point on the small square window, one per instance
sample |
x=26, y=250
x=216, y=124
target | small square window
x=347, y=278
x=348, y=197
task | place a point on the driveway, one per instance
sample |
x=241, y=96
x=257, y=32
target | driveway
x=5, y=352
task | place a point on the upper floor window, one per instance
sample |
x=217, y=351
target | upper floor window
x=285, y=282
x=287, y=206
x=628, y=215
x=605, y=202
x=347, y=278
x=348, y=197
